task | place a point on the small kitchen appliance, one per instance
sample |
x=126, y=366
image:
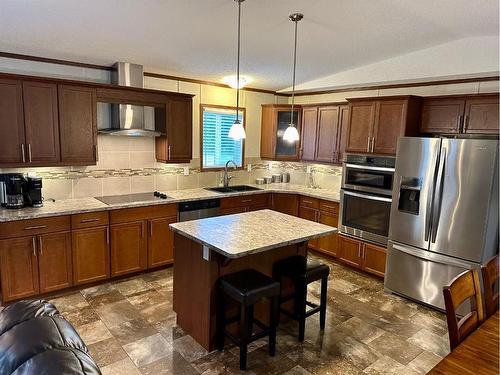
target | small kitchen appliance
x=33, y=192
x=14, y=190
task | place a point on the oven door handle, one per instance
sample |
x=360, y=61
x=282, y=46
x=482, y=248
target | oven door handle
x=368, y=196
x=367, y=167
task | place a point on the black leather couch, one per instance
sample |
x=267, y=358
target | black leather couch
x=36, y=339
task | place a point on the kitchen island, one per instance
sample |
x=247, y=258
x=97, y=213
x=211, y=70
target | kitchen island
x=209, y=248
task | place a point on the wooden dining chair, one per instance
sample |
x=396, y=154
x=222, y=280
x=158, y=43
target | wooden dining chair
x=491, y=283
x=465, y=286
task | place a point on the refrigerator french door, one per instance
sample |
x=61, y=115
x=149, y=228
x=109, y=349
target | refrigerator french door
x=444, y=214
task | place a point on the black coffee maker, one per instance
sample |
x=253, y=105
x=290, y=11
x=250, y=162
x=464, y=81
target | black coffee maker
x=33, y=192
x=17, y=191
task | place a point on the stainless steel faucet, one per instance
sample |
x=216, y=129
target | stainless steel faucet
x=226, y=178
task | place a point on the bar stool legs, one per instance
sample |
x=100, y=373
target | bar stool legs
x=322, y=308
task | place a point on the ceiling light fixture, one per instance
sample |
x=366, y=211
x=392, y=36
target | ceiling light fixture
x=237, y=131
x=232, y=82
x=291, y=133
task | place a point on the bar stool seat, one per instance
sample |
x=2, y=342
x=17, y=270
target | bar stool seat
x=247, y=287
x=302, y=271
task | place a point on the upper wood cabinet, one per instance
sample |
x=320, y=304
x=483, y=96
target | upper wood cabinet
x=275, y=120
x=475, y=114
x=376, y=124
x=41, y=123
x=11, y=123
x=78, y=127
x=321, y=139
x=177, y=145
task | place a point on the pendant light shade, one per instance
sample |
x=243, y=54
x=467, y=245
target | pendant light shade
x=291, y=134
x=237, y=131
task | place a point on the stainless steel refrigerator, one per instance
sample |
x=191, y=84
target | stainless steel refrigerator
x=444, y=214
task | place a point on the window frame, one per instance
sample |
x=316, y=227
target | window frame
x=242, y=110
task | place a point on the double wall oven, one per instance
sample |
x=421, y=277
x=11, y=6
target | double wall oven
x=366, y=197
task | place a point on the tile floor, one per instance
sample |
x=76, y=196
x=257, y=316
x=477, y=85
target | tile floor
x=129, y=327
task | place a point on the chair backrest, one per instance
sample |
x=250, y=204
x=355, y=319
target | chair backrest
x=491, y=282
x=465, y=286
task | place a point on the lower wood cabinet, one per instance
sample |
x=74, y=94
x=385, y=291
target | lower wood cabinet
x=129, y=251
x=309, y=214
x=160, y=242
x=54, y=261
x=368, y=257
x=90, y=250
x=244, y=203
x=328, y=244
x=285, y=203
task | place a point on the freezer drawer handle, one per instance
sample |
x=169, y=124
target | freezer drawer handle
x=432, y=257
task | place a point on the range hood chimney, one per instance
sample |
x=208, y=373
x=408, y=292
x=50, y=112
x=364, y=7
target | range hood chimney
x=129, y=119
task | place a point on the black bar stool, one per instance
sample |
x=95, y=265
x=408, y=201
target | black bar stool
x=247, y=288
x=302, y=271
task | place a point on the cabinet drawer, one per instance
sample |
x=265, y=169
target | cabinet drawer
x=246, y=200
x=309, y=202
x=330, y=207
x=34, y=226
x=90, y=219
x=128, y=215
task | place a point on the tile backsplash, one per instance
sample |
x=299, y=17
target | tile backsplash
x=127, y=165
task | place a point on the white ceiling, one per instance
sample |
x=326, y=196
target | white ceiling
x=197, y=39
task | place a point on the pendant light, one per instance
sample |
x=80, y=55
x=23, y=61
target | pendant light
x=291, y=134
x=237, y=131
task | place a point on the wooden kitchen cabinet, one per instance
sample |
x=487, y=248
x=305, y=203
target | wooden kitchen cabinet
x=374, y=259
x=376, y=124
x=54, y=261
x=350, y=251
x=176, y=145
x=309, y=133
x=363, y=255
x=129, y=251
x=19, y=268
x=78, y=124
x=342, y=137
x=41, y=123
x=275, y=120
x=160, y=242
x=329, y=244
x=244, y=203
x=285, y=203
x=471, y=114
x=91, y=253
x=11, y=123
x=309, y=214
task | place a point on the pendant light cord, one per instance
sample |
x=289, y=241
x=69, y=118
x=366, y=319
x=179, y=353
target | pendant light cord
x=238, y=63
x=294, y=66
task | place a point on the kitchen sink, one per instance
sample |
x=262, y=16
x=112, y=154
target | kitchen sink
x=233, y=189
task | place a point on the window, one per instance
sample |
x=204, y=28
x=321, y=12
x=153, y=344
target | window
x=216, y=147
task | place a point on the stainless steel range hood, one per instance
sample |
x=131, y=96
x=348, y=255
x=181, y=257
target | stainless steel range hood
x=129, y=119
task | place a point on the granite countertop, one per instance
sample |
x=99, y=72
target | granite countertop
x=239, y=235
x=83, y=205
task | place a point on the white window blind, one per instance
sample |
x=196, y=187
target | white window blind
x=217, y=147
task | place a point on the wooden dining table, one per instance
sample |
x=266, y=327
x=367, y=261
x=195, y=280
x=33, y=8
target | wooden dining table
x=477, y=354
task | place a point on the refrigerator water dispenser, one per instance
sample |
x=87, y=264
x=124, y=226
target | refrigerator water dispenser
x=409, y=195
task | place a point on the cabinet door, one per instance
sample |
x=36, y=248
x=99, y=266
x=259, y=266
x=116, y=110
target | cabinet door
x=328, y=126
x=268, y=133
x=349, y=251
x=54, y=261
x=374, y=259
x=359, y=130
x=11, y=123
x=160, y=242
x=19, y=268
x=328, y=244
x=390, y=121
x=481, y=115
x=309, y=129
x=284, y=149
x=179, y=129
x=77, y=124
x=232, y=210
x=41, y=122
x=128, y=248
x=342, y=133
x=309, y=214
x=90, y=252
x=286, y=203
x=442, y=115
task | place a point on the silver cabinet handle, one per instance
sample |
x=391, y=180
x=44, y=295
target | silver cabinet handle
x=246, y=201
x=33, y=245
x=89, y=220
x=23, y=154
x=150, y=229
x=459, y=123
x=142, y=229
x=368, y=145
x=373, y=144
x=464, y=128
x=107, y=236
x=169, y=152
x=29, y=152
x=35, y=227
x=40, y=245
x=359, y=252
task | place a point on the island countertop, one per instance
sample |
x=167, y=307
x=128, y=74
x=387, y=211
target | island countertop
x=239, y=235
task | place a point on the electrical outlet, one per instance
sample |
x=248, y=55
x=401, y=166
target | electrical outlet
x=186, y=171
x=308, y=169
x=249, y=167
x=269, y=166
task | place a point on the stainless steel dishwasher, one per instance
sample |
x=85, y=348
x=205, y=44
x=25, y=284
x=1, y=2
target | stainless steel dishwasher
x=198, y=209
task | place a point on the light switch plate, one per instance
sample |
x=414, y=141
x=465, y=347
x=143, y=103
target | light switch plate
x=249, y=167
x=206, y=252
x=308, y=169
x=186, y=171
